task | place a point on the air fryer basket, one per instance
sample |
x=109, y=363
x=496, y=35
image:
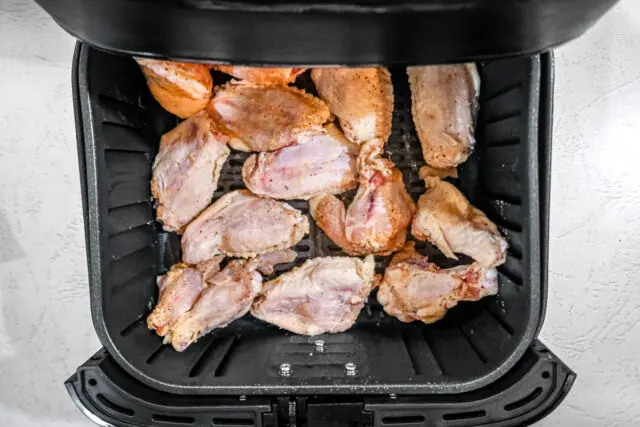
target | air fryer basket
x=119, y=126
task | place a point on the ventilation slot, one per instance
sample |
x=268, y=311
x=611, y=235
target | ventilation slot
x=118, y=98
x=503, y=323
x=133, y=325
x=115, y=408
x=173, y=419
x=500, y=117
x=437, y=358
x=403, y=419
x=512, y=276
x=463, y=415
x=219, y=421
x=215, y=357
x=500, y=92
x=504, y=143
x=524, y=401
x=475, y=348
x=122, y=113
x=156, y=354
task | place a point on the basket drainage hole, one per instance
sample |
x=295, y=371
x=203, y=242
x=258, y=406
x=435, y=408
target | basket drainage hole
x=546, y=375
x=93, y=382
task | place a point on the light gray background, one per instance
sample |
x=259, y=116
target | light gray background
x=592, y=320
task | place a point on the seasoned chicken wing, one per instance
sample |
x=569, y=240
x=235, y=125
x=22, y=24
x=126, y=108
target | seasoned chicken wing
x=377, y=219
x=180, y=88
x=242, y=224
x=265, y=118
x=415, y=289
x=227, y=297
x=447, y=219
x=323, y=295
x=179, y=289
x=321, y=161
x=186, y=170
x=361, y=98
x=444, y=101
x=262, y=75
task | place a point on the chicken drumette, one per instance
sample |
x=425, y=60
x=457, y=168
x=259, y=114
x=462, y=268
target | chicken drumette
x=415, y=289
x=361, y=98
x=444, y=102
x=227, y=296
x=447, y=219
x=180, y=88
x=377, y=219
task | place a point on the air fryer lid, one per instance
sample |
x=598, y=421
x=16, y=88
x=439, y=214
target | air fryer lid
x=316, y=32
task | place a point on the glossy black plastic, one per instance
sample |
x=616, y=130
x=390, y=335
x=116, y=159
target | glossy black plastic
x=527, y=393
x=327, y=32
x=119, y=125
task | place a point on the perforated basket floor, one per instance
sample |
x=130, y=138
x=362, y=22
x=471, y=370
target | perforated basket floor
x=119, y=126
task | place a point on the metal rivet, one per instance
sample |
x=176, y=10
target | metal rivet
x=243, y=398
x=393, y=396
x=351, y=369
x=319, y=344
x=285, y=370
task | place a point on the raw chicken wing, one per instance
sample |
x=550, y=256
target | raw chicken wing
x=444, y=102
x=415, y=289
x=179, y=289
x=447, y=219
x=361, y=98
x=242, y=224
x=186, y=170
x=228, y=296
x=377, y=219
x=262, y=75
x=180, y=88
x=265, y=118
x=323, y=295
x=321, y=161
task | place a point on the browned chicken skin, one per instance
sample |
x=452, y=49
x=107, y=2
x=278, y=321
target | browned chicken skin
x=447, y=219
x=377, y=219
x=323, y=295
x=180, y=88
x=262, y=75
x=444, y=101
x=321, y=161
x=415, y=289
x=361, y=98
x=186, y=170
x=244, y=225
x=265, y=118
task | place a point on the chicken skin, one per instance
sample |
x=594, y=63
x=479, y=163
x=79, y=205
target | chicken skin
x=377, y=219
x=415, y=289
x=181, y=88
x=228, y=296
x=323, y=295
x=361, y=98
x=262, y=75
x=322, y=161
x=186, y=170
x=444, y=102
x=179, y=290
x=241, y=224
x=447, y=219
x=265, y=118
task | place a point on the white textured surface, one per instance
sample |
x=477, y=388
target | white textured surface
x=593, y=316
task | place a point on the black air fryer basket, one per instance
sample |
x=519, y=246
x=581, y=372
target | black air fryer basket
x=479, y=365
